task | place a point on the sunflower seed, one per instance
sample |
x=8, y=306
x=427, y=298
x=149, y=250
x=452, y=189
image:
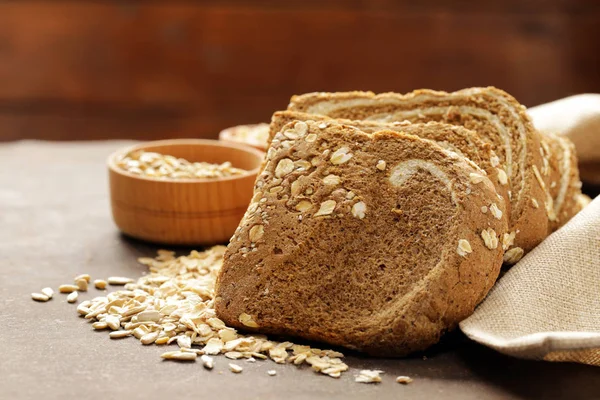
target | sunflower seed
x=119, y=280
x=72, y=297
x=39, y=297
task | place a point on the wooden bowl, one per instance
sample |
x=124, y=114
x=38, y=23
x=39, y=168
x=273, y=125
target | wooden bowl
x=255, y=135
x=184, y=211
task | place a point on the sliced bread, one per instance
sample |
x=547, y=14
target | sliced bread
x=496, y=116
x=454, y=138
x=373, y=241
x=561, y=175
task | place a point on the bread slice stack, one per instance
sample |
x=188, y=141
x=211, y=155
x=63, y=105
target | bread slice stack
x=380, y=221
x=378, y=241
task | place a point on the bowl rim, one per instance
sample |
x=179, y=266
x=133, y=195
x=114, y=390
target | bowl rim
x=111, y=161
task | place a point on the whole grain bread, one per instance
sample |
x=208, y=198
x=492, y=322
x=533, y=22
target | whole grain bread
x=561, y=175
x=458, y=139
x=495, y=115
x=378, y=241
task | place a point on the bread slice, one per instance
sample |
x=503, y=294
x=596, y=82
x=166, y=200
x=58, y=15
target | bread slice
x=496, y=116
x=561, y=175
x=376, y=242
x=454, y=138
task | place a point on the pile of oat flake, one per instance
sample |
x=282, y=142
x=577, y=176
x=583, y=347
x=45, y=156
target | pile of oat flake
x=174, y=303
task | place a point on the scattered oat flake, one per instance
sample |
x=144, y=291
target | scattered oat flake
x=235, y=368
x=207, y=361
x=368, y=376
x=179, y=356
x=272, y=372
x=119, y=280
x=404, y=379
x=174, y=303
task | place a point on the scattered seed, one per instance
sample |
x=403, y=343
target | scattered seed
x=47, y=291
x=119, y=280
x=368, y=376
x=235, y=368
x=174, y=302
x=72, y=297
x=100, y=284
x=272, y=372
x=404, y=380
x=39, y=297
x=179, y=356
x=83, y=309
x=184, y=342
x=119, y=334
x=207, y=361
x=99, y=325
x=68, y=288
x=149, y=338
x=113, y=322
x=82, y=285
x=87, y=278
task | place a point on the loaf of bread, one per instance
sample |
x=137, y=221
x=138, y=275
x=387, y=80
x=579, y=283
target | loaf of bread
x=379, y=241
x=497, y=118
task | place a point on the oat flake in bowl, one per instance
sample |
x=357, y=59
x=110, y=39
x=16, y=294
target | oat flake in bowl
x=160, y=166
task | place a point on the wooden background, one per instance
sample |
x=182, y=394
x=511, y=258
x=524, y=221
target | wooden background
x=153, y=69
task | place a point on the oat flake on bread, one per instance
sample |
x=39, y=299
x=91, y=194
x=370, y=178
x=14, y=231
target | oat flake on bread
x=378, y=261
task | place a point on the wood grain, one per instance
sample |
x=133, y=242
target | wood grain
x=108, y=69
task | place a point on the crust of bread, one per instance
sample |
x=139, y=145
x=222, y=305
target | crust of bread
x=458, y=139
x=468, y=107
x=562, y=178
x=386, y=278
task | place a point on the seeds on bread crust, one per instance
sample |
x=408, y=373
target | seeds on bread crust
x=326, y=208
x=489, y=238
x=284, y=167
x=464, y=248
x=359, y=209
x=341, y=156
x=421, y=186
x=513, y=255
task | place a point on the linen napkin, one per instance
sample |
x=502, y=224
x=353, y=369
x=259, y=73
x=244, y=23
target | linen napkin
x=547, y=306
